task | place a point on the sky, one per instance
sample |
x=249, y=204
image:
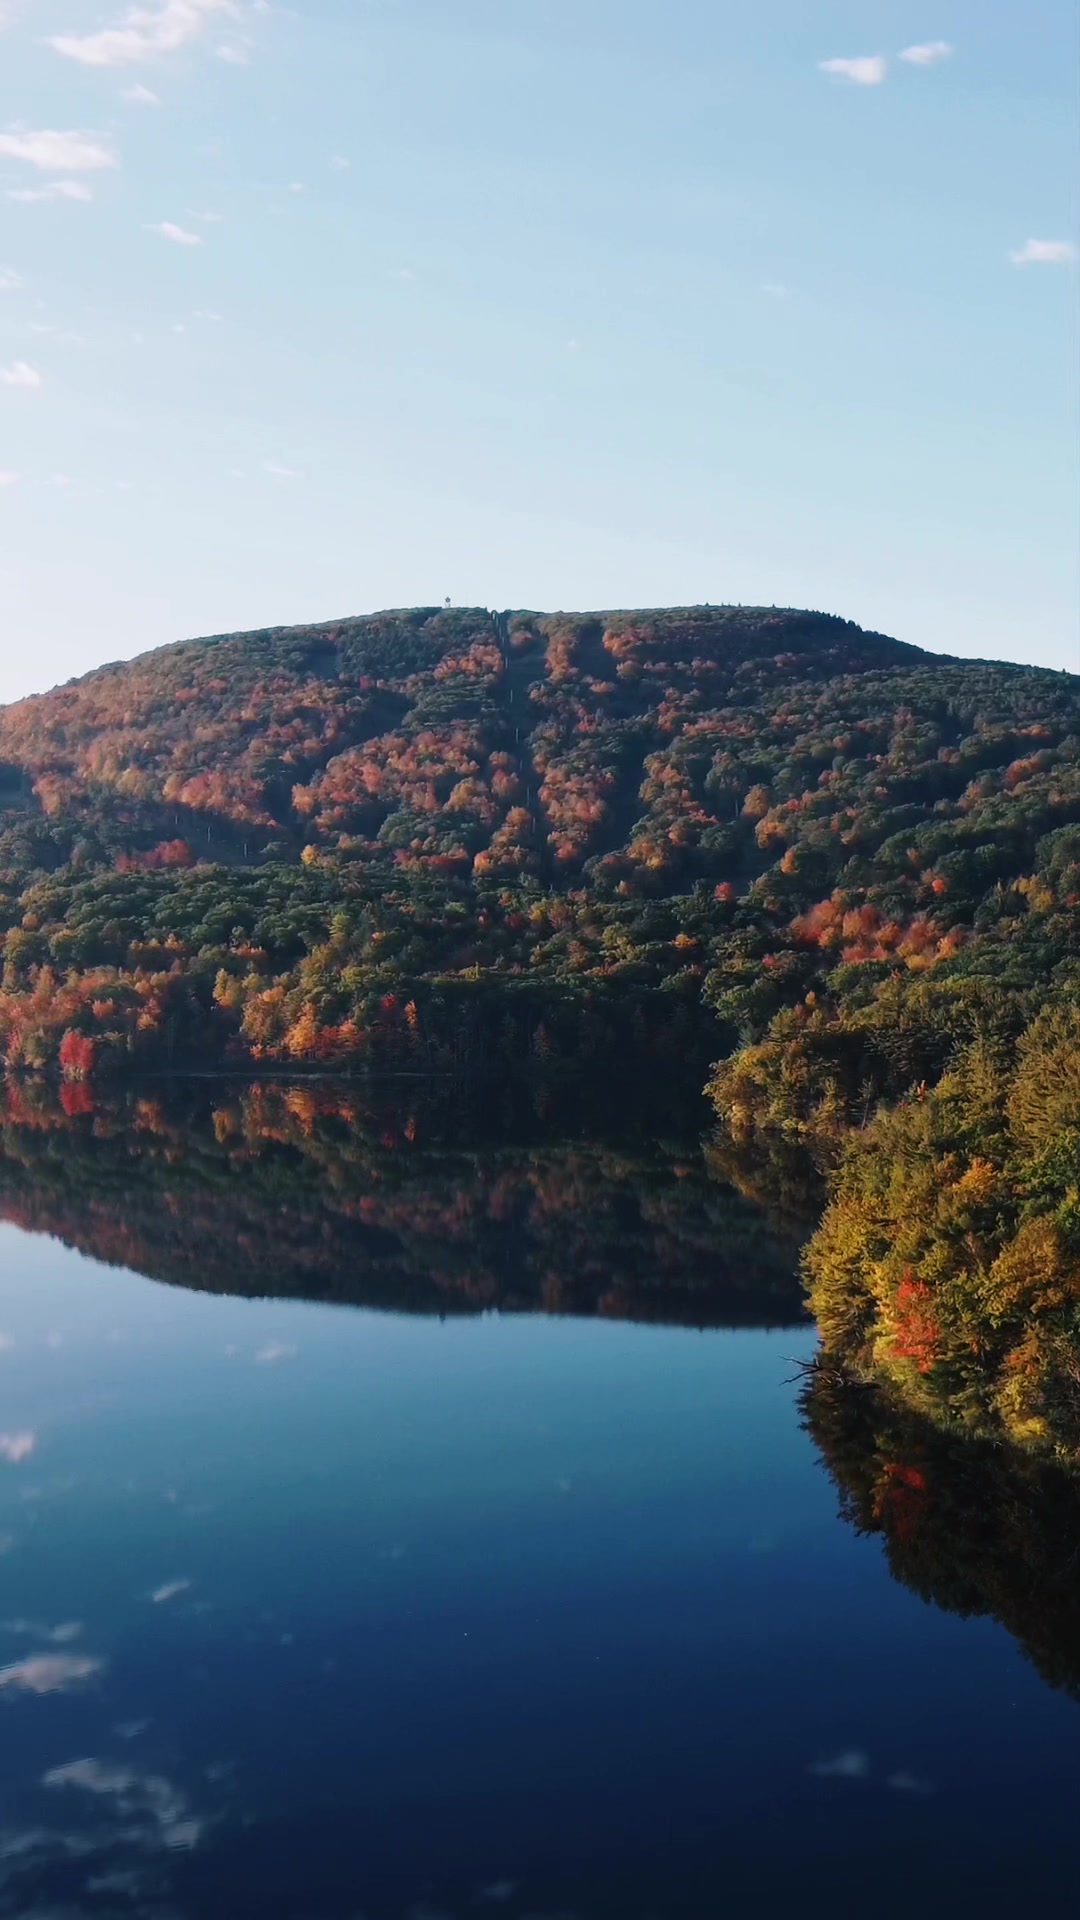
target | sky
x=308, y=310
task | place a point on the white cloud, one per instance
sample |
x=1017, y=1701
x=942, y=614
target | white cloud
x=19, y=374
x=144, y=33
x=233, y=55
x=50, y=1672
x=206, y=313
x=56, y=190
x=339, y=164
x=7, y=478
x=851, y=1765
x=1043, y=253
x=141, y=96
x=271, y=1356
x=775, y=289
x=179, y=236
x=867, y=70
x=169, y=1591
x=16, y=1446
x=10, y=280
x=53, y=151
x=927, y=53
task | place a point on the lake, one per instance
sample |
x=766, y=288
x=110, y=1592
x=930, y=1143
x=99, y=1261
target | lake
x=318, y=1608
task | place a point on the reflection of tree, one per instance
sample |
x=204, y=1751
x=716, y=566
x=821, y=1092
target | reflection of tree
x=779, y=1176
x=975, y=1528
x=390, y=1199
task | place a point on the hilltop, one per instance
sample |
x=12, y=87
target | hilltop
x=454, y=742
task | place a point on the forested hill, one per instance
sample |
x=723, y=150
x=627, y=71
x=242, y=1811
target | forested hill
x=427, y=838
x=454, y=742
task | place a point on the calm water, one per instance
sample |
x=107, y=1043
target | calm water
x=319, y=1611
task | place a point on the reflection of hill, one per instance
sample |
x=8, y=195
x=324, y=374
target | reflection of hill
x=322, y=1193
x=974, y=1528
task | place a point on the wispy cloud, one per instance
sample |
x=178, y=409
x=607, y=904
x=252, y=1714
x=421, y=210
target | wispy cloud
x=141, y=96
x=64, y=336
x=179, y=236
x=134, y=1794
x=56, y=190
x=10, y=280
x=53, y=151
x=8, y=478
x=927, y=53
x=50, y=1672
x=865, y=70
x=142, y=34
x=17, y=1446
x=909, y=1783
x=61, y=1636
x=1044, y=253
x=232, y=54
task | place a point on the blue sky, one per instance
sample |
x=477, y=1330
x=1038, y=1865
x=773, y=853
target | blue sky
x=313, y=309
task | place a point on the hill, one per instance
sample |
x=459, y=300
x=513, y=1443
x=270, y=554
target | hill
x=456, y=743
x=425, y=835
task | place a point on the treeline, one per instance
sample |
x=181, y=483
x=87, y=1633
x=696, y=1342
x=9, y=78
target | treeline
x=948, y=1258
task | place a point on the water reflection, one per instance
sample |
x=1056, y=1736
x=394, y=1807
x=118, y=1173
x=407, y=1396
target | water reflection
x=408, y=1201
x=975, y=1528
x=313, y=1610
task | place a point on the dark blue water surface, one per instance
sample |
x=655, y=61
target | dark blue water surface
x=325, y=1612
